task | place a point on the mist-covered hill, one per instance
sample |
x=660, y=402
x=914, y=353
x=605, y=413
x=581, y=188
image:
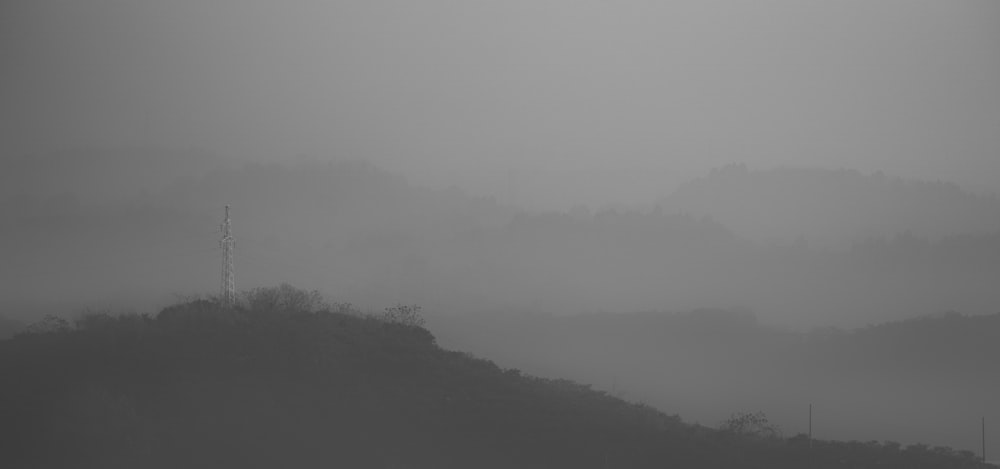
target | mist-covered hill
x=833, y=208
x=283, y=380
x=922, y=379
x=365, y=235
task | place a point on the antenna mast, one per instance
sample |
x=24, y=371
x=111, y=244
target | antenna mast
x=228, y=290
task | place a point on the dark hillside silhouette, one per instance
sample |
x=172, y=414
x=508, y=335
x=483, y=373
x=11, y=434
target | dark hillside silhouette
x=922, y=379
x=266, y=386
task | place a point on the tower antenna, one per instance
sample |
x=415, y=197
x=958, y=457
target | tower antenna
x=228, y=289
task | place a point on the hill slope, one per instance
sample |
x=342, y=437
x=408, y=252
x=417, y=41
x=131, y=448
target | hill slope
x=286, y=386
x=925, y=379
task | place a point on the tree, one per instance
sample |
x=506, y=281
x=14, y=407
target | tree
x=408, y=315
x=753, y=424
x=284, y=297
x=48, y=325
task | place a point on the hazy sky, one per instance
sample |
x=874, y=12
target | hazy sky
x=458, y=91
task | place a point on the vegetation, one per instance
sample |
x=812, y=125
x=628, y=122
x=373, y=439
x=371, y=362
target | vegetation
x=754, y=424
x=284, y=380
x=408, y=315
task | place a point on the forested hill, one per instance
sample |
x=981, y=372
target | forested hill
x=285, y=381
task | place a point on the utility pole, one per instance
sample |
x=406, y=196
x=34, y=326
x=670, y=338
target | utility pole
x=810, y=425
x=227, y=291
x=984, y=440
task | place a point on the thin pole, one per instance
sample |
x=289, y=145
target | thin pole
x=228, y=288
x=984, y=440
x=810, y=425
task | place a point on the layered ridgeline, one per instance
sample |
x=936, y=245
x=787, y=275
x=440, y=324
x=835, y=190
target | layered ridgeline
x=922, y=379
x=366, y=235
x=833, y=208
x=285, y=381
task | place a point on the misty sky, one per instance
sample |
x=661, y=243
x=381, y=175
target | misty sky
x=602, y=101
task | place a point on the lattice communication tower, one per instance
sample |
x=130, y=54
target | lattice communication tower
x=228, y=290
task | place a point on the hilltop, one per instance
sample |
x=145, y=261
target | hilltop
x=284, y=380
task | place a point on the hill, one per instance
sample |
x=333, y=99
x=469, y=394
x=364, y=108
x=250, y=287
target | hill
x=367, y=236
x=921, y=379
x=284, y=381
x=833, y=207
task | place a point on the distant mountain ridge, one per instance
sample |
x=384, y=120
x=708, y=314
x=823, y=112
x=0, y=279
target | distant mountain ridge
x=832, y=207
x=366, y=235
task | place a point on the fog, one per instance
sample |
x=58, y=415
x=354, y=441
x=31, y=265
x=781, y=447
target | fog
x=568, y=187
x=588, y=102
